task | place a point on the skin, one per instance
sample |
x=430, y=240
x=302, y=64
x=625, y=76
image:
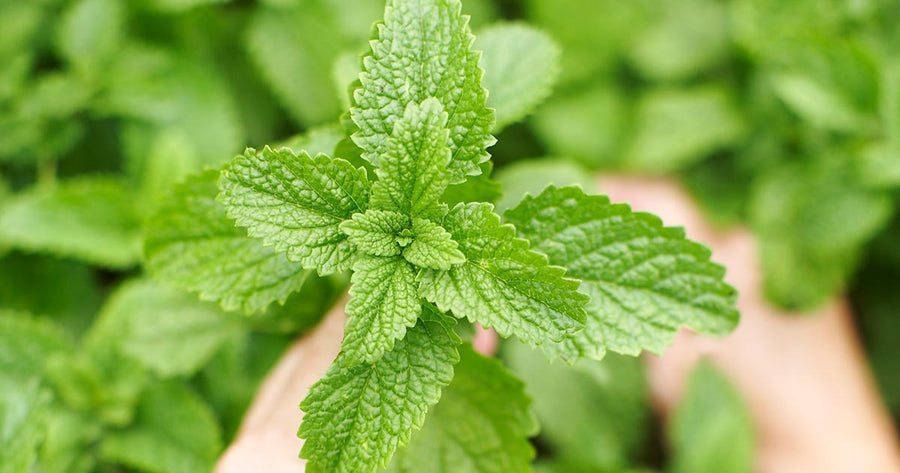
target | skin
x=803, y=376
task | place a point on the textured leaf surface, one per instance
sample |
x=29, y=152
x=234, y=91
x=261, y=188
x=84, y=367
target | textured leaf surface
x=92, y=219
x=432, y=247
x=357, y=417
x=26, y=343
x=296, y=203
x=645, y=280
x=169, y=332
x=520, y=67
x=711, y=429
x=191, y=243
x=413, y=171
x=503, y=284
x=174, y=432
x=481, y=425
x=376, y=232
x=422, y=50
x=383, y=303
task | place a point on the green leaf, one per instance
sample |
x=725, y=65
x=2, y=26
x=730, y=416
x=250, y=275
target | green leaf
x=711, y=430
x=26, y=343
x=294, y=48
x=178, y=6
x=817, y=103
x=92, y=219
x=174, y=432
x=481, y=425
x=531, y=176
x=296, y=203
x=423, y=49
x=319, y=140
x=594, y=414
x=813, y=221
x=413, y=169
x=357, y=417
x=665, y=140
x=589, y=125
x=191, y=243
x=645, y=280
x=167, y=331
x=432, y=247
x=376, y=232
x=685, y=39
x=23, y=414
x=520, y=65
x=90, y=33
x=503, y=284
x=383, y=303
x=26, y=280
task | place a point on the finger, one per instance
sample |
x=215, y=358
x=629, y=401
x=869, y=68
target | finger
x=267, y=440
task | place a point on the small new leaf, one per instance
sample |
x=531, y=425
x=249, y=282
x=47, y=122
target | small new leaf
x=383, y=303
x=412, y=172
x=376, y=232
x=423, y=49
x=502, y=283
x=357, y=417
x=432, y=247
x=296, y=203
x=645, y=280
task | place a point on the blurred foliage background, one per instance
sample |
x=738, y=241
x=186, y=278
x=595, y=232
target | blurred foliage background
x=780, y=115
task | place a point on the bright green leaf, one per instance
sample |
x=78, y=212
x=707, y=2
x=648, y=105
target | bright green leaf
x=413, y=169
x=645, y=280
x=503, y=284
x=383, y=304
x=357, y=417
x=422, y=50
x=296, y=203
x=377, y=232
x=432, y=247
x=90, y=32
x=481, y=425
x=192, y=244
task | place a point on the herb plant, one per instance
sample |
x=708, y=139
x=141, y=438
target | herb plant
x=401, y=205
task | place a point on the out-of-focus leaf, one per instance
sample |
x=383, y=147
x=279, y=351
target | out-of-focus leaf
x=812, y=221
x=23, y=414
x=90, y=33
x=878, y=165
x=67, y=445
x=533, y=175
x=520, y=67
x=156, y=86
x=177, y=6
x=588, y=126
x=675, y=128
x=167, y=331
x=294, y=49
x=591, y=33
x=711, y=430
x=26, y=281
x=685, y=38
x=91, y=218
x=594, y=414
x=175, y=431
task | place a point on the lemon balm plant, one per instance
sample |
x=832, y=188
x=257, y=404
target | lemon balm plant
x=402, y=203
